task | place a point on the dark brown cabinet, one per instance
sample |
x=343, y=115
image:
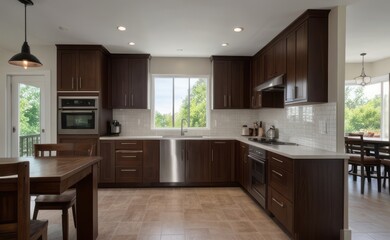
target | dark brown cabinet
x=128, y=161
x=222, y=152
x=197, y=161
x=231, y=76
x=129, y=77
x=306, y=196
x=275, y=59
x=91, y=139
x=107, y=164
x=242, y=167
x=80, y=67
x=151, y=161
x=307, y=60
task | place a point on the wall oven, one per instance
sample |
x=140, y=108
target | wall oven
x=78, y=115
x=257, y=156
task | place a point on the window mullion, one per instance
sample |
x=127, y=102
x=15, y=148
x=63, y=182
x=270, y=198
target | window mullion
x=189, y=103
x=173, y=102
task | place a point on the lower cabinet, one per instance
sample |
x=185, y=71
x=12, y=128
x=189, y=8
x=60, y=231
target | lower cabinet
x=222, y=152
x=107, y=164
x=243, y=166
x=197, y=161
x=92, y=139
x=151, y=161
x=307, y=196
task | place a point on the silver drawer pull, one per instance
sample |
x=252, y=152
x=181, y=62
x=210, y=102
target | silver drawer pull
x=219, y=142
x=128, y=170
x=128, y=151
x=277, y=173
x=131, y=143
x=281, y=204
x=278, y=160
x=129, y=156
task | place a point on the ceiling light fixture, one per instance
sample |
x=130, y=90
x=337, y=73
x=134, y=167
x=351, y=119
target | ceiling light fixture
x=363, y=79
x=25, y=58
x=131, y=43
x=238, y=29
x=121, y=28
x=225, y=44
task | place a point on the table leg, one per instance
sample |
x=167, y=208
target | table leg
x=86, y=200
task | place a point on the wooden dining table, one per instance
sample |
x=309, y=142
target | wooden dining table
x=377, y=143
x=54, y=175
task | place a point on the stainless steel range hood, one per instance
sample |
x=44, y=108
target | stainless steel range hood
x=274, y=84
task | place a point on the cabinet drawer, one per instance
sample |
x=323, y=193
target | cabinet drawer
x=128, y=174
x=280, y=161
x=128, y=144
x=281, y=208
x=128, y=158
x=282, y=181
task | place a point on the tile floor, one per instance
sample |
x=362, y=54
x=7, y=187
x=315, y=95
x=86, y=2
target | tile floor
x=212, y=213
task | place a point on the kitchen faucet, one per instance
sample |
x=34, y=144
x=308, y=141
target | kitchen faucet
x=181, y=128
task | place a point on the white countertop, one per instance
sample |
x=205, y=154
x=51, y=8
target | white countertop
x=290, y=151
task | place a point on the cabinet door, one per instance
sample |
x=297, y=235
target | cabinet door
x=197, y=161
x=221, y=79
x=221, y=161
x=88, y=70
x=151, y=161
x=280, y=57
x=269, y=64
x=290, y=76
x=139, y=83
x=120, y=82
x=107, y=164
x=246, y=171
x=239, y=92
x=67, y=61
x=301, y=62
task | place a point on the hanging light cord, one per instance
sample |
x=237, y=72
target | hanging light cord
x=25, y=22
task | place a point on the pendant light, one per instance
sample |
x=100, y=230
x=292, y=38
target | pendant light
x=363, y=79
x=25, y=58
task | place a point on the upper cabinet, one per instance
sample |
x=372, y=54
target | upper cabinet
x=307, y=60
x=129, y=79
x=81, y=67
x=275, y=59
x=231, y=82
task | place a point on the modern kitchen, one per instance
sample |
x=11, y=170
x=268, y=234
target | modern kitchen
x=237, y=139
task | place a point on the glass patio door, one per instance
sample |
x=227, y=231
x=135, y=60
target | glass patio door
x=27, y=121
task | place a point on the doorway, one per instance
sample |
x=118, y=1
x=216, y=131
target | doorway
x=29, y=121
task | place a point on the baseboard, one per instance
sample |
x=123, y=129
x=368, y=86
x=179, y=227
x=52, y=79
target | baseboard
x=345, y=234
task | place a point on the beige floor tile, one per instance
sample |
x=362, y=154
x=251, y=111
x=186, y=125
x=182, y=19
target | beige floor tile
x=242, y=227
x=128, y=228
x=150, y=228
x=173, y=237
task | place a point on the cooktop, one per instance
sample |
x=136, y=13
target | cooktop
x=270, y=142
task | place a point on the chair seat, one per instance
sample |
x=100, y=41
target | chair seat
x=368, y=160
x=36, y=229
x=66, y=197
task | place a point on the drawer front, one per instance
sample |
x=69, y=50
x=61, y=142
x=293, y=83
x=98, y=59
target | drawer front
x=281, y=208
x=282, y=181
x=128, y=158
x=128, y=174
x=128, y=144
x=280, y=161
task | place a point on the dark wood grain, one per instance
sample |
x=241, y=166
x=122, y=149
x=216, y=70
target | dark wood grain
x=107, y=164
x=222, y=153
x=221, y=83
x=151, y=162
x=198, y=163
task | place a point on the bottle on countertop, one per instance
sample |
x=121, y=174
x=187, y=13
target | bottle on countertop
x=261, y=130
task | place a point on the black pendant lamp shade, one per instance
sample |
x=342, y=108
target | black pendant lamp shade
x=25, y=58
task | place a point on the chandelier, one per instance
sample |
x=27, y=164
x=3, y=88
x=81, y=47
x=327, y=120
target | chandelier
x=363, y=79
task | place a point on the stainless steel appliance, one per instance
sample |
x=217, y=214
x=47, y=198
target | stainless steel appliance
x=78, y=115
x=268, y=141
x=258, y=159
x=274, y=84
x=114, y=127
x=271, y=133
x=172, y=165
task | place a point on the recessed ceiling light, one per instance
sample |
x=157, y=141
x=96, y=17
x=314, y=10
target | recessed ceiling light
x=121, y=28
x=225, y=44
x=238, y=29
x=132, y=43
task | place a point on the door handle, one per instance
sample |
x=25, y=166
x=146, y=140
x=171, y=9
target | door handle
x=13, y=129
x=72, y=83
x=224, y=100
x=80, y=83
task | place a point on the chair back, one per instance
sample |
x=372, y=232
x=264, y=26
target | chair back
x=15, y=200
x=64, y=149
x=354, y=145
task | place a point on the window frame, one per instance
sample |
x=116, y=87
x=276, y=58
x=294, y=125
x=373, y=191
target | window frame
x=152, y=99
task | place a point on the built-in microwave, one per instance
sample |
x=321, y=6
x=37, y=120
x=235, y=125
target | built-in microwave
x=78, y=115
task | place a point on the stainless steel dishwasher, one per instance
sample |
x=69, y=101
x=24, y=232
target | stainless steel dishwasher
x=172, y=165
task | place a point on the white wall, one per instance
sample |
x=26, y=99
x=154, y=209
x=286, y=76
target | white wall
x=373, y=69
x=48, y=56
x=180, y=66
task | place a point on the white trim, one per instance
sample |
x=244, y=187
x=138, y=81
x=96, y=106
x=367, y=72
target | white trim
x=152, y=95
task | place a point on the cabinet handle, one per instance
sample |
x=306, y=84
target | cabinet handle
x=224, y=100
x=128, y=170
x=259, y=100
x=129, y=143
x=219, y=142
x=212, y=155
x=128, y=151
x=277, y=173
x=80, y=82
x=278, y=160
x=129, y=156
x=72, y=83
x=132, y=100
x=125, y=100
x=281, y=204
x=230, y=100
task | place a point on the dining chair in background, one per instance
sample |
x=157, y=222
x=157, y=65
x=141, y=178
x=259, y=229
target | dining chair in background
x=67, y=199
x=355, y=148
x=385, y=153
x=15, y=220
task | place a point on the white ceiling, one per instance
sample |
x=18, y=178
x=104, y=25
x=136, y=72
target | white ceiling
x=199, y=27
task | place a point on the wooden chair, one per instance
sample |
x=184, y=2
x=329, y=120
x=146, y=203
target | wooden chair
x=360, y=159
x=385, y=155
x=67, y=199
x=15, y=204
